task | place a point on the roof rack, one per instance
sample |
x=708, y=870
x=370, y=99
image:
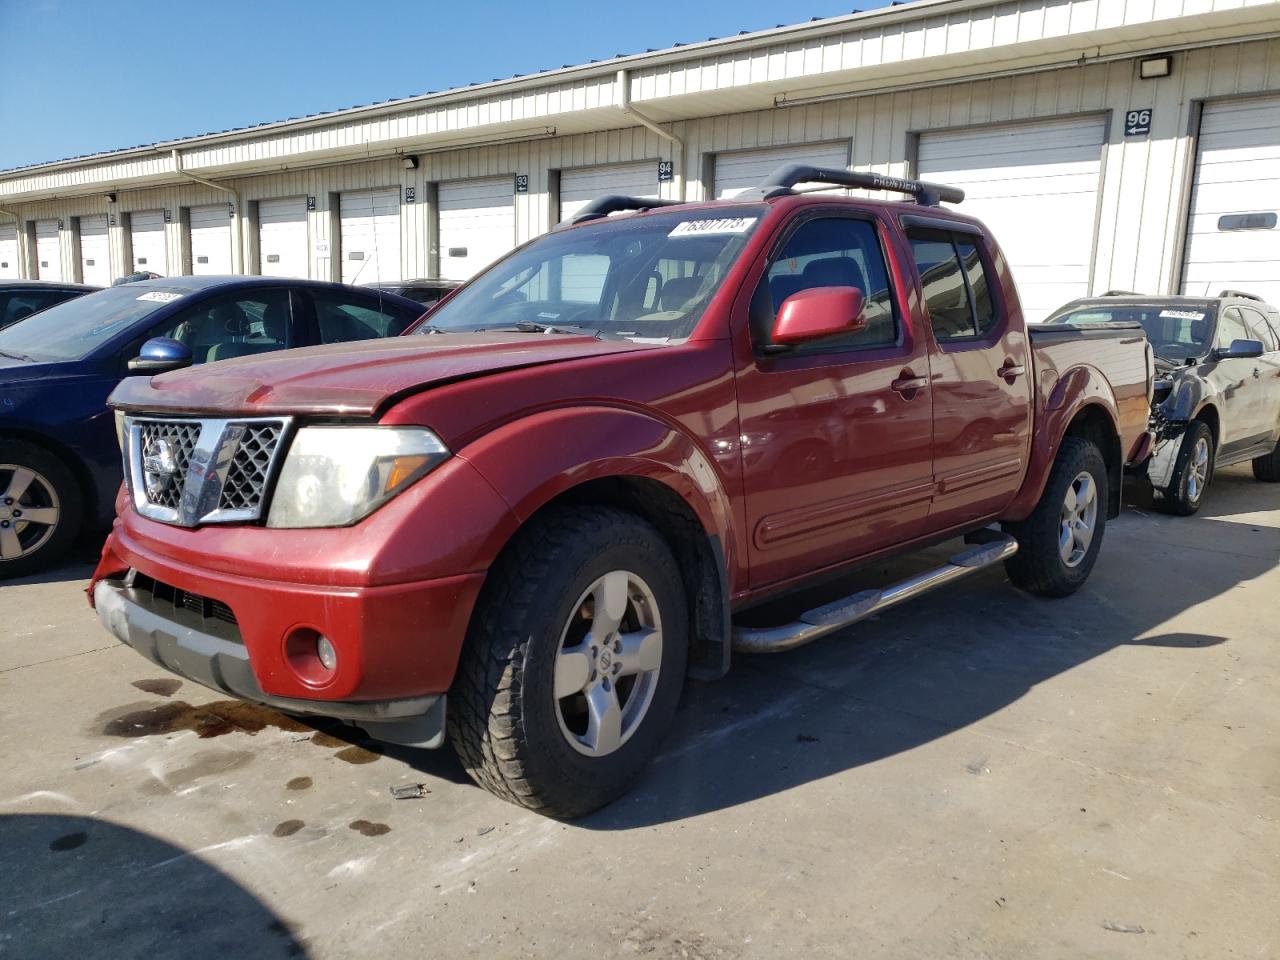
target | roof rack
x=1122, y=293
x=780, y=183
x=1241, y=294
x=614, y=203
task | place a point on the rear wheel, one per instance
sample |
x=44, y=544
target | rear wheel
x=1192, y=472
x=1267, y=468
x=1058, y=544
x=40, y=508
x=574, y=663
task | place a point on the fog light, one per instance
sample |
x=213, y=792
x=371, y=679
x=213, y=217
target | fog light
x=324, y=650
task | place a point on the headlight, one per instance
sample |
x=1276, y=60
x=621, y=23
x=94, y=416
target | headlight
x=334, y=476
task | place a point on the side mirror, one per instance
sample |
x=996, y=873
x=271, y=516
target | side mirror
x=160, y=355
x=1242, y=350
x=819, y=312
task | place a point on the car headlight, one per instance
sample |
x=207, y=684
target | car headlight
x=334, y=476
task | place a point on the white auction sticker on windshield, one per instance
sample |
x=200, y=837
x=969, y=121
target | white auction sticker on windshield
x=697, y=228
x=161, y=296
x=1181, y=315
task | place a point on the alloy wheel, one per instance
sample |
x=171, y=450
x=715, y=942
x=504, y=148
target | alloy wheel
x=29, y=511
x=606, y=669
x=1078, y=519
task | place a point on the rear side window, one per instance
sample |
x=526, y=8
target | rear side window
x=342, y=320
x=834, y=252
x=957, y=288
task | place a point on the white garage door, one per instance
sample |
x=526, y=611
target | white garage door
x=1233, y=239
x=371, y=236
x=477, y=225
x=739, y=171
x=8, y=252
x=1016, y=180
x=579, y=187
x=211, y=239
x=146, y=229
x=282, y=238
x=95, y=254
x=48, y=250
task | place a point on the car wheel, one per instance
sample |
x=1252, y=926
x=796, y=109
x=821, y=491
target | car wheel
x=574, y=662
x=1267, y=468
x=1192, y=472
x=1058, y=544
x=40, y=508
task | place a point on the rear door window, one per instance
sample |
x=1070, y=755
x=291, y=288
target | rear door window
x=956, y=285
x=341, y=319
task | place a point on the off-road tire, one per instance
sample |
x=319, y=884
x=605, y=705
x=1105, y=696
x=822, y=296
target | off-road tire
x=70, y=505
x=1038, y=566
x=502, y=711
x=1267, y=467
x=1176, y=499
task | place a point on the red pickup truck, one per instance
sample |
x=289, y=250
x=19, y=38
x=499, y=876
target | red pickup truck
x=546, y=503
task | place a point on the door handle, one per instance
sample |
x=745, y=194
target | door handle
x=908, y=383
x=1011, y=371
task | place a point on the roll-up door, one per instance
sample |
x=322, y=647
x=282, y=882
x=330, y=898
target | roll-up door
x=48, y=250
x=477, y=225
x=743, y=169
x=1233, y=234
x=211, y=239
x=146, y=230
x=9, y=252
x=579, y=187
x=371, y=236
x=1036, y=186
x=95, y=253
x=282, y=238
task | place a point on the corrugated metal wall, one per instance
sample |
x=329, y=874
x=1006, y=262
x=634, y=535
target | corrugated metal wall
x=1144, y=191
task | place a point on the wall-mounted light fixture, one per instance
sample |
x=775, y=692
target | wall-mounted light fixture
x=1153, y=68
x=411, y=163
x=111, y=198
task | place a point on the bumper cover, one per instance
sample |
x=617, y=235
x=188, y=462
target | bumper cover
x=218, y=660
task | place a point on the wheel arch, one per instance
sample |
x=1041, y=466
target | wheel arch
x=633, y=461
x=1093, y=422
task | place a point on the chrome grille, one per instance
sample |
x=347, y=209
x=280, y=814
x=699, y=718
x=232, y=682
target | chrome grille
x=189, y=471
x=167, y=446
x=250, y=467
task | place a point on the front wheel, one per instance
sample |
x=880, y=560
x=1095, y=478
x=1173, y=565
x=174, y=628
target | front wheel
x=1192, y=471
x=40, y=508
x=1058, y=544
x=574, y=662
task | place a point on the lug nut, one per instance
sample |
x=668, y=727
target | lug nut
x=17, y=513
x=4, y=523
x=617, y=646
x=617, y=668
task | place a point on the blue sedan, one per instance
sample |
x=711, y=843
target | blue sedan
x=59, y=460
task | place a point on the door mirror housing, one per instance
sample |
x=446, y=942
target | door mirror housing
x=1242, y=350
x=160, y=355
x=817, y=313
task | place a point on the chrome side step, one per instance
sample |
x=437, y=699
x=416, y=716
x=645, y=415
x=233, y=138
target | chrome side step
x=831, y=617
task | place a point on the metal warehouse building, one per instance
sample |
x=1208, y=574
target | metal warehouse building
x=1127, y=144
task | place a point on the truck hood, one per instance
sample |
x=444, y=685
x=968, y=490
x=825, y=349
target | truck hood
x=351, y=379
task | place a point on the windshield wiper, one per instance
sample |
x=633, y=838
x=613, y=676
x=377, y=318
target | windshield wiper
x=532, y=326
x=17, y=356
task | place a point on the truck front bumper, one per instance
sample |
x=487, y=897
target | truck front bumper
x=393, y=647
x=218, y=660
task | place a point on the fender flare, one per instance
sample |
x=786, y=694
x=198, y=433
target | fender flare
x=1082, y=387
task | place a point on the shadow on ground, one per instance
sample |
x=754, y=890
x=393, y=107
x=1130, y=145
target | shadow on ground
x=81, y=887
x=925, y=670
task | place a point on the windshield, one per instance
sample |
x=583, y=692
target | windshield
x=1176, y=332
x=643, y=278
x=74, y=329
